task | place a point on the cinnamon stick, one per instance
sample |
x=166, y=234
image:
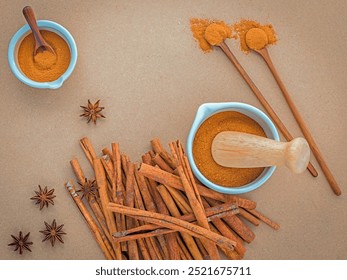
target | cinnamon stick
x=189, y=240
x=110, y=179
x=240, y=228
x=130, y=202
x=158, y=160
x=158, y=148
x=150, y=206
x=88, y=149
x=89, y=219
x=94, y=206
x=195, y=203
x=183, y=251
x=77, y=170
x=175, y=224
x=102, y=184
x=212, y=213
x=230, y=254
x=180, y=200
x=237, y=225
x=144, y=249
x=265, y=219
x=107, y=152
x=249, y=217
x=99, y=215
x=171, y=239
x=140, y=205
x=120, y=190
x=226, y=231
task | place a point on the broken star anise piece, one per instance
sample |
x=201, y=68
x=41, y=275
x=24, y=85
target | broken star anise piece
x=21, y=242
x=44, y=197
x=92, y=111
x=53, y=232
x=88, y=189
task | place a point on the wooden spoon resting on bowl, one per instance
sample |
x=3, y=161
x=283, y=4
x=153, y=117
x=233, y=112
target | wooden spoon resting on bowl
x=241, y=150
x=40, y=43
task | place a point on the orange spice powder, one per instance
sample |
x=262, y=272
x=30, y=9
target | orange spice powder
x=224, y=121
x=44, y=66
x=217, y=31
x=212, y=32
x=243, y=26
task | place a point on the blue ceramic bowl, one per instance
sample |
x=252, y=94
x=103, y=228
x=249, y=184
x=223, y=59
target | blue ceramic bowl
x=20, y=35
x=207, y=110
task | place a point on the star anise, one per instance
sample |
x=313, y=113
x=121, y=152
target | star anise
x=92, y=111
x=88, y=189
x=44, y=197
x=21, y=242
x=53, y=233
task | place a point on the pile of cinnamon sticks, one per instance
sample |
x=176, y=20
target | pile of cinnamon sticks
x=157, y=210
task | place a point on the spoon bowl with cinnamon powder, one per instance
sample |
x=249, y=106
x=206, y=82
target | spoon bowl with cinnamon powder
x=213, y=118
x=44, y=70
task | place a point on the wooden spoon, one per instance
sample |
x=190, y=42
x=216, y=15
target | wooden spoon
x=40, y=43
x=262, y=99
x=237, y=149
x=300, y=120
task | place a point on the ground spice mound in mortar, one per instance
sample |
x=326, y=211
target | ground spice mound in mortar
x=210, y=32
x=44, y=66
x=224, y=121
x=254, y=39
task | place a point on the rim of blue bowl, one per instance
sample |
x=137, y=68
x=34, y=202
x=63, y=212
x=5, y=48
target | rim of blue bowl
x=51, y=26
x=205, y=111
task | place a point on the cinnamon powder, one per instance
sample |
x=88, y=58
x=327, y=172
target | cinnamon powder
x=44, y=66
x=224, y=121
x=243, y=26
x=209, y=33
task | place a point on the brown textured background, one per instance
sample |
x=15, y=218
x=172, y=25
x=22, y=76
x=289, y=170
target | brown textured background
x=140, y=59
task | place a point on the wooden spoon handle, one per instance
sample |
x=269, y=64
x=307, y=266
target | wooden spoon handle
x=237, y=149
x=262, y=100
x=304, y=128
x=29, y=15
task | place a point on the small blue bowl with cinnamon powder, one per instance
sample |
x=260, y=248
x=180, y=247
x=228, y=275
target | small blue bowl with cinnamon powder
x=212, y=118
x=22, y=34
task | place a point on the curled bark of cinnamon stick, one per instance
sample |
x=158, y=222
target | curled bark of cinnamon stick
x=213, y=213
x=175, y=224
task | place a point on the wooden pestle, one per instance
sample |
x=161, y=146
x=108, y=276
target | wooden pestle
x=238, y=149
